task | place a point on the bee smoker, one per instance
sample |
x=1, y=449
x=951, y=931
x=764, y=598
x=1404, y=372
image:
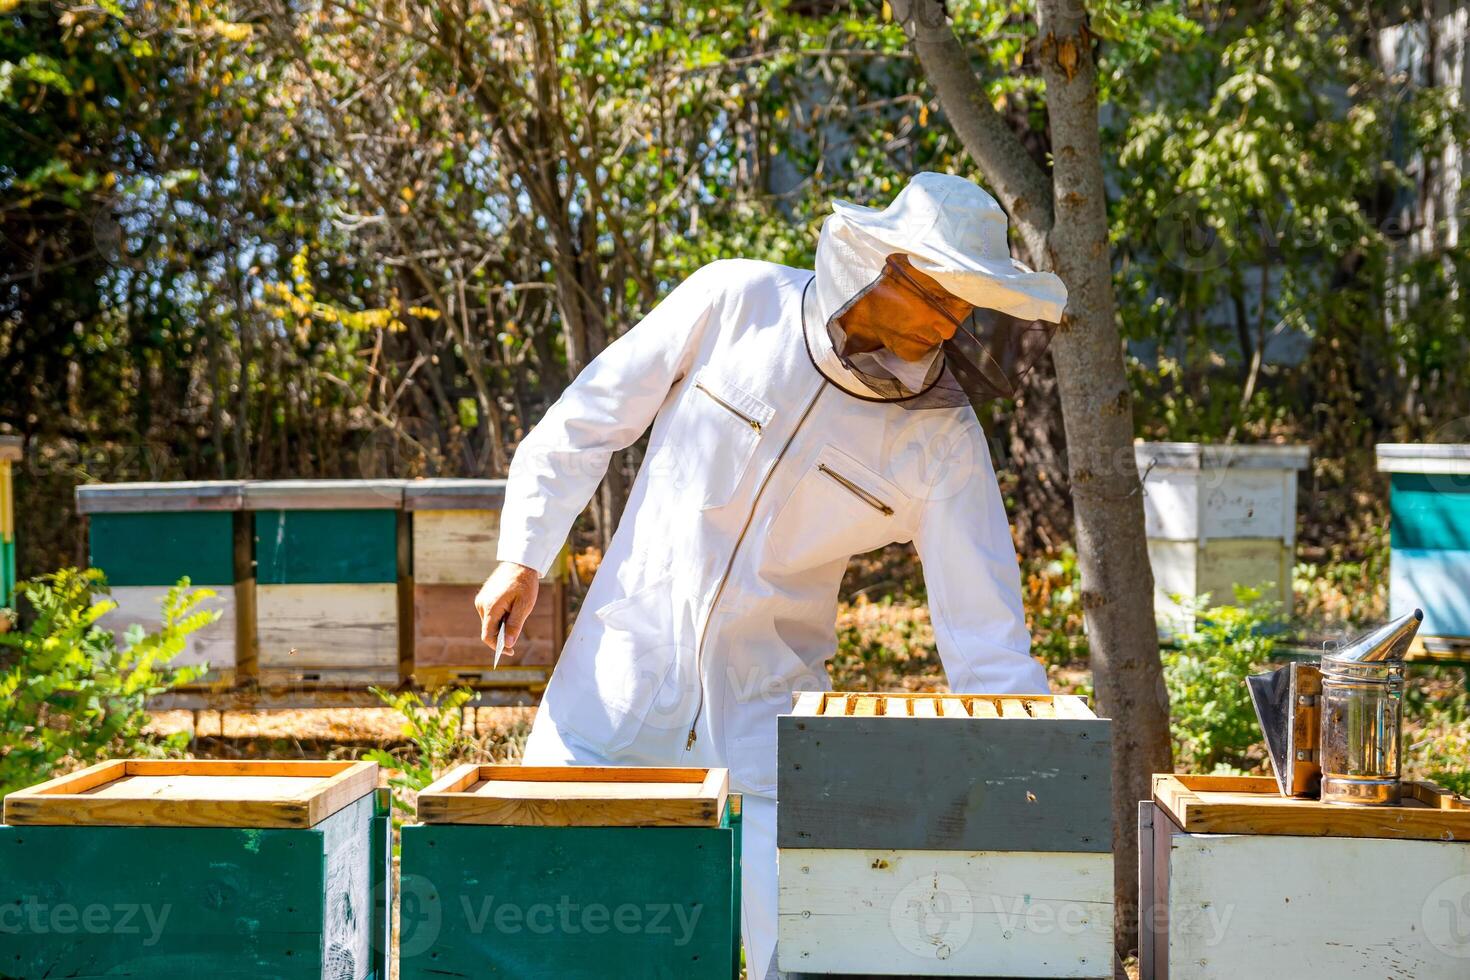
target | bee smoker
x=1334, y=728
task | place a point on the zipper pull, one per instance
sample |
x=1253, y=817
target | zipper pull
x=689, y=742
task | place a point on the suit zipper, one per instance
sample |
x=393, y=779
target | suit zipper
x=730, y=565
x=871, y=500
x=742, y=416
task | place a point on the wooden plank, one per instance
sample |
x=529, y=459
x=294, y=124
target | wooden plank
x=1013, y=708
x=1253, y=805
x=577, y=796
x=1436, y=581
x=836, y=704
x=182, y=793
x=154, y=498
x=213, y=645
x=1040, y=708
x=925, y=708
x=446, y=631
x=1236, y=503
x=327, y=693
x=159, y=549
x=318, y=627
x=1430, y=513
x=346, y=944
x=866, y=707
x=1071, y=706
x=953, y=708
x=978, y=784
x=319, y=547
x=686, y=877
x=807, y=702
x=454, y=547
x=1260, y=563
x=945, y=913
x=324, y=494
x=453, y=493
x=1328, y=907
x=1147, y=918
x=247, y=660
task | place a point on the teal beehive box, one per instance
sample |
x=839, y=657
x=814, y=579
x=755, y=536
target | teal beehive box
x=215, y=869
x=1429, y=560
x=145, y=537
x=331, y=569
x=577, y=873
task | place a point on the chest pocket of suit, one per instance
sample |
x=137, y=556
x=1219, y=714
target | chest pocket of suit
x=712, y=439
x=838, y=509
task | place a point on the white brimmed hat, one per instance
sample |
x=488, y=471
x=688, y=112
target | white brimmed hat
x=951, y=230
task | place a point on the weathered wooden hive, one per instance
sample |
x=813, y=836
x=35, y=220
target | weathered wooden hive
x=944, y=835
x=572, y=872
x=163, y=868
x=147, y=536
x=1238, y=881
x=455, y=526
x=328, y=557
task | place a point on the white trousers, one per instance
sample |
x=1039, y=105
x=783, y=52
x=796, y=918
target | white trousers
x=547, y=746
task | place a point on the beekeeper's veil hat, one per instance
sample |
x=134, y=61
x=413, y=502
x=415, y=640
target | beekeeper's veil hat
x=956, y=233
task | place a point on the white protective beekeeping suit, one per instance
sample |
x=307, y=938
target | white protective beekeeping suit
x=771, y=462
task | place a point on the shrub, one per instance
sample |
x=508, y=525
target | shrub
x=1211, y=717
x=69, y=696
x=433, y=725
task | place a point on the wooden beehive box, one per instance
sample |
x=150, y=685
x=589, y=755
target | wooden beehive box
x=1217, y=517
x=147, y=536
x=577, y=873
x=944, y=835
x=1429, y=563
x=456, y=526
x=1237, y=881
x=154, y=868
x=10, y=453
x=332, y=576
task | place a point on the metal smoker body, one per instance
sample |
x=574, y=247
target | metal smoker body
x=1336, y=727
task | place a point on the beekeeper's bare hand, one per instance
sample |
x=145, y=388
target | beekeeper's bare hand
x=510, y=594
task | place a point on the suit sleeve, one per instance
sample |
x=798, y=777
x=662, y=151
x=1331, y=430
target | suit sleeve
x=560, y=463
x=974, y=580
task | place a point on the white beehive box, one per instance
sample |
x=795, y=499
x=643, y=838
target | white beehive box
x=1217, y=517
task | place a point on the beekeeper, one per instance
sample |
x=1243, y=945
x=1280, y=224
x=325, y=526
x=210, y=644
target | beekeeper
x=798, y=419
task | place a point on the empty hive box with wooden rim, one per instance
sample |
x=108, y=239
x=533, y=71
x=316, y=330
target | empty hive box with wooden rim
x=944, y=835
x=579, y=873
x=165, y=868
x=1236, y=880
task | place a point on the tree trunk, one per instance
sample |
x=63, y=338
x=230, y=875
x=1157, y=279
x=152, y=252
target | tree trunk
x=1067, y=232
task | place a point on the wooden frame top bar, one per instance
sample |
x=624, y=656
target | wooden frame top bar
x=576, y=796
x=1254, y=805
x=447, y=493
x=152, y=498
x=830, y=704
x=324, y=494
x=194, y=793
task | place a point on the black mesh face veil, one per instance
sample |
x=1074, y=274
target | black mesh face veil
x=992, y=352
x=987, y=359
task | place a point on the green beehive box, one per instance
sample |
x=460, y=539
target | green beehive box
x=224, y=870
x=331, y=569
x=147, y=536
x=572, y=872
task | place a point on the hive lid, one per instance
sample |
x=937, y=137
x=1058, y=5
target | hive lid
x=194, y=793
x=161, y=497
x=1451, y=458
x=576, y=796
x=1252, y=805
x=829, y=704
x=324, y=494
x=448, y=493
x=1202, y=456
